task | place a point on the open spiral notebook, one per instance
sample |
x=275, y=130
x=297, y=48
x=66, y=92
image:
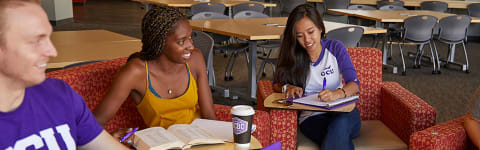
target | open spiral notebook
x=312, y=100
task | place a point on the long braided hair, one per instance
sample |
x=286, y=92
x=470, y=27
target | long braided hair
x=157, y=24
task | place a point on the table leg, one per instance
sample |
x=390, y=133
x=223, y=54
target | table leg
x=385, y=51
x=252, y=69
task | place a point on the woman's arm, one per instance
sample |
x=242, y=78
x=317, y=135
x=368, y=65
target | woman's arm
x=123, y=83
x=197, y=64
x=472, y=126
x=351, y=88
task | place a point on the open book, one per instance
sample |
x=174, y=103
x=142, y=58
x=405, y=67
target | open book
x=183, y=136
x=312, y=100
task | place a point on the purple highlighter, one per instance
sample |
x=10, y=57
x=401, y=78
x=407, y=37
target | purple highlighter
x=128, y=134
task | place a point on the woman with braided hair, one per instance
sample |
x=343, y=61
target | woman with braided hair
x=167, y=79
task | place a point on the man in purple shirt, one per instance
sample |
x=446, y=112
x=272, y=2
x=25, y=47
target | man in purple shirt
x=39, y=113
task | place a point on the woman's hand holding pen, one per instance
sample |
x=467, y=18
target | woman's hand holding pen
x=293, y=91
x=328, y=96
x=120, y=133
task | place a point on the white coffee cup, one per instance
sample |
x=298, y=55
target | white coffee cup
x=242, y=119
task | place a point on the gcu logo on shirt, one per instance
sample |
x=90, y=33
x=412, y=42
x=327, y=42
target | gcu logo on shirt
x=328, y=71
x=48, y=135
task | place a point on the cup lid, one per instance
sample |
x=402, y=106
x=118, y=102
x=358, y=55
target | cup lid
x=242, y=110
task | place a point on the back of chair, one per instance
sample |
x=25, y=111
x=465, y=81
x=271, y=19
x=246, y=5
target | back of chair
x=208, y=7
x=368, y=64
x=474, y=9
x=209, y=15
x=454, y=28
x=392, y=7
x=387, y=2
x=349, y=36
x=212, y=15
x=335, y=4
x=361, y=7
x=419, y=28
x=248, y=6
x=434, y=6
x=249, y=14
x=287, y=6
x=204, y=43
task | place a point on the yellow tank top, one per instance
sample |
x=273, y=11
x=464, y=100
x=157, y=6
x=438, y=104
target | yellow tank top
x=157, y=111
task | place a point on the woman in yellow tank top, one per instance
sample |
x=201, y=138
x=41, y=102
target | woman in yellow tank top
x=167, y=79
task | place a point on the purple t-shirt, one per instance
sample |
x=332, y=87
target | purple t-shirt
x=51, y=116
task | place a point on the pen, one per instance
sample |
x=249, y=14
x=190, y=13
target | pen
x=324, y=83
x=128, y=134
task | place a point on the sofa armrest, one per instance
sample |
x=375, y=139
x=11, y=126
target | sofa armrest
x=264, y=89
x=261, y=119
x=404, y=112
x=448, y=135
x=283, y=122
x=284, y=128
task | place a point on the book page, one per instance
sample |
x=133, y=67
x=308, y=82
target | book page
x=153, y=137
x=314, y=101
x=192, y=135
x=220, y=129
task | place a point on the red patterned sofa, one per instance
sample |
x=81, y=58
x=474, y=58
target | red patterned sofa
x=449, y=135
x=91, y=81
x=385, y=103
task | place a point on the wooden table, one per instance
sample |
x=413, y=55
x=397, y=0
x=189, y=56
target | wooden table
x=88, y=45
x=392, y=16
x=254, y=29
x=254, y=144
x=411, y=3
x=269, y=102
x=190, y=3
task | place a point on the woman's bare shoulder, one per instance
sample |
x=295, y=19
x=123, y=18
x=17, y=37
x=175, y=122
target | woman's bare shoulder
x=134, y=68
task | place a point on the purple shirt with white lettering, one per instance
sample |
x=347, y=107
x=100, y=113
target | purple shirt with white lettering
x=51, y=116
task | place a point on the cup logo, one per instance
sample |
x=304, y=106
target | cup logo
x=239, y=126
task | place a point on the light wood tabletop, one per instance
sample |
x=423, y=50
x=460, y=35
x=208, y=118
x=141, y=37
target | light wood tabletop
x=89, y=45
x=189, y=3
x=393, y=15
x=412, y=3
x=259, y=28
x=269, y=102
x=254, y=144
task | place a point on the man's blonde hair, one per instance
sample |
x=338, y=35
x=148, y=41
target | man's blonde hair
x=4, y=4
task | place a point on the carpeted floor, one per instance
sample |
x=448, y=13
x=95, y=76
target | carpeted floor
x=448, y=92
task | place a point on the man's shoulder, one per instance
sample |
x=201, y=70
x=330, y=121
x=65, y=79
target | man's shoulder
x=51, y=89
x=51, y=83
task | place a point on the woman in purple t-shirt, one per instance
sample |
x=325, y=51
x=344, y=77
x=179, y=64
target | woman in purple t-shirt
x=310, y=64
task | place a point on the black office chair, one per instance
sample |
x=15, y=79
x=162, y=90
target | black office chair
x=208, y=7
x=248, y=6
x=419, y=30
x=287, y=6
x=204, y=43
x=434, y=6
x=387, y=2
x=453, y=30
x=349, y=36
x=220, y=40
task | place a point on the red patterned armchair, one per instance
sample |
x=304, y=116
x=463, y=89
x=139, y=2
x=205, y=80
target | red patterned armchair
x=384, y=103
x=91, y=81
x=449, y=135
